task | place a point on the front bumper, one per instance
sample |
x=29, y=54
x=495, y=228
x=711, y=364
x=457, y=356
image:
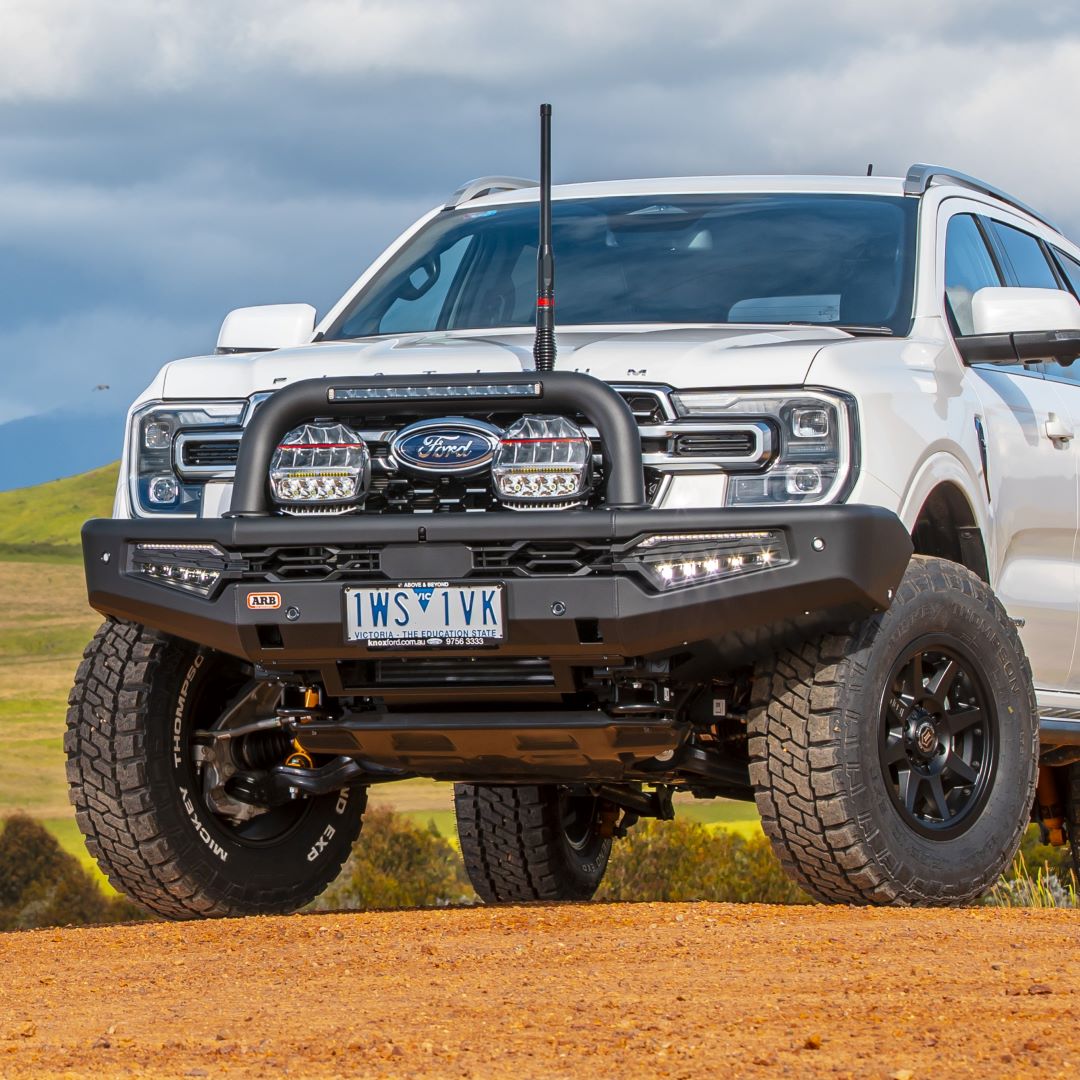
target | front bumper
x=569, y=600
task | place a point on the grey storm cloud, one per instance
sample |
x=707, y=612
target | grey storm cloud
x=164, y=161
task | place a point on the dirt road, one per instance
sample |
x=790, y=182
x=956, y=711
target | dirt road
x=647, y=990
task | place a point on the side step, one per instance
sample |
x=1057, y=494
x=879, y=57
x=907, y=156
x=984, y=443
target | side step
x=1059, y=730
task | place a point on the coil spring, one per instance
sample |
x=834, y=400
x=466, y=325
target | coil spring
x=544, y=348
x=264, y=749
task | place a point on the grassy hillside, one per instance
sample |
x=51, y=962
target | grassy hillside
x=43, y=522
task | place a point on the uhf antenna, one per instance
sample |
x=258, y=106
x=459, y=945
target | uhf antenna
x=544, y=345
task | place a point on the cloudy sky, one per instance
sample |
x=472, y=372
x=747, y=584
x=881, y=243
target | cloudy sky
x=163, y=161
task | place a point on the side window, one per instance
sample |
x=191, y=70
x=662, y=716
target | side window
x=1071, y=269
x=422, y=296
x=968, y=268
x=1026, y=257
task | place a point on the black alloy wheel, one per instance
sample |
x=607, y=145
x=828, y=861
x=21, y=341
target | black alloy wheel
x=938, y=737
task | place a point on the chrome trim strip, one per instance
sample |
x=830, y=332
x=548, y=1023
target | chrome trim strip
x=203, y=472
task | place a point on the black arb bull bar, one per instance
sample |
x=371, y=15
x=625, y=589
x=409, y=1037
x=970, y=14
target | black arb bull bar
x=841, y=563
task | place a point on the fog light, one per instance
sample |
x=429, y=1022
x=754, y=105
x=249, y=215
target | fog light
x=804, y=481
x=325, y=468
x=193, y=568
x=543, y=463
x=673, y=561
x=163, y=490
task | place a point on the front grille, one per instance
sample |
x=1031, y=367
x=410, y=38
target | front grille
x=646, y=405
x=719, y=443
x=517, y=672
x=665, y=450
x=210, y=453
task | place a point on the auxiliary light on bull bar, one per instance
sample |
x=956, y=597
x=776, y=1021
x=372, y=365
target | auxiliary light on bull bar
x=674, y=561
x=194, y=568
x=414, y=393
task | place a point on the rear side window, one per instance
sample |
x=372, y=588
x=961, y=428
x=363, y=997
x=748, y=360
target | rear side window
x=968, y=268
x=1026, y=257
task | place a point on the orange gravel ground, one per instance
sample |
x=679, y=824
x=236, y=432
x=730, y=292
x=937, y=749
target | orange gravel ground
x=649, y=990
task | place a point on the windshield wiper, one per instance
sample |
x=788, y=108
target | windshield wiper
x=848, y=328
x=864, y=331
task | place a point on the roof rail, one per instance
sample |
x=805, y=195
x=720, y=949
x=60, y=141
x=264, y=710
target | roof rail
x=919, y=178
x=486, y=185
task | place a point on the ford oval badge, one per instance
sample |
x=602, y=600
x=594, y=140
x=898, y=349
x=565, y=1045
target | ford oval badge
x=446, y=446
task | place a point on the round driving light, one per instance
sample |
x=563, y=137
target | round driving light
x=163, y=490
x=320, y=468
x=805, y=481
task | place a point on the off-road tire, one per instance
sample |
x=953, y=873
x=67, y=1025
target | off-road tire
x=820, y=785
x=126, y=785
x=516, y=848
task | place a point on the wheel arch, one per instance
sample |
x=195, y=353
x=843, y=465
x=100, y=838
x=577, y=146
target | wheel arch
x=946, y=517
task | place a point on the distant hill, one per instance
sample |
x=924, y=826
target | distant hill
x=44, y=521
x=35, y=449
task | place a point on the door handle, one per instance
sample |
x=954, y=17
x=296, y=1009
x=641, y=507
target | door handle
x=1057, y=431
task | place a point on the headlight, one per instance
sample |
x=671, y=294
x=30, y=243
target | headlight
x=156, y=485
x=320, y=468
x=815, y=458
x=674, y=561
x=542, y=463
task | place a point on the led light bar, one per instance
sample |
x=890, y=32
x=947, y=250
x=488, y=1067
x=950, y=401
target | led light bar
x=195, y=568
x=673, y=561
x=413, y=393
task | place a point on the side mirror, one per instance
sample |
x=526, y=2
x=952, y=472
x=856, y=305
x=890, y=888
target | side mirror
x=272, y=326
x=1024, y=326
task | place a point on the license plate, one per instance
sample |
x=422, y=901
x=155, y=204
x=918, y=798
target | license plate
x=425, y=613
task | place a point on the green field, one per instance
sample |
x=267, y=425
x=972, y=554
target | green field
x=44, y=625
x=43, y=522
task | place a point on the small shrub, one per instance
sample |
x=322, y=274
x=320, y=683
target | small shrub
x=42, y=885
x=1046, y=888
x=396, y=863
x=1034, y=853
x=683, y=860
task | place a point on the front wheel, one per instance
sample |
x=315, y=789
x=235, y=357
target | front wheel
x=531, y=841
x=149, y=778
x=897, y=764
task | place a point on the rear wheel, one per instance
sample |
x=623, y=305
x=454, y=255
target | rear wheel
x=150, y=783
x=531, y=841
x=897, y=764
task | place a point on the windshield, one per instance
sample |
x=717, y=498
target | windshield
x=845, y=260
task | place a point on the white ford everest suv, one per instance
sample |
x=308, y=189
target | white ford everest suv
x=792, y=513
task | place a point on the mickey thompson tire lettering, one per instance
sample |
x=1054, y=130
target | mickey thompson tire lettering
x=143, y=815
x=814, y=756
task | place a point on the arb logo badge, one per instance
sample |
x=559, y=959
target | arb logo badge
x=263, y=601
